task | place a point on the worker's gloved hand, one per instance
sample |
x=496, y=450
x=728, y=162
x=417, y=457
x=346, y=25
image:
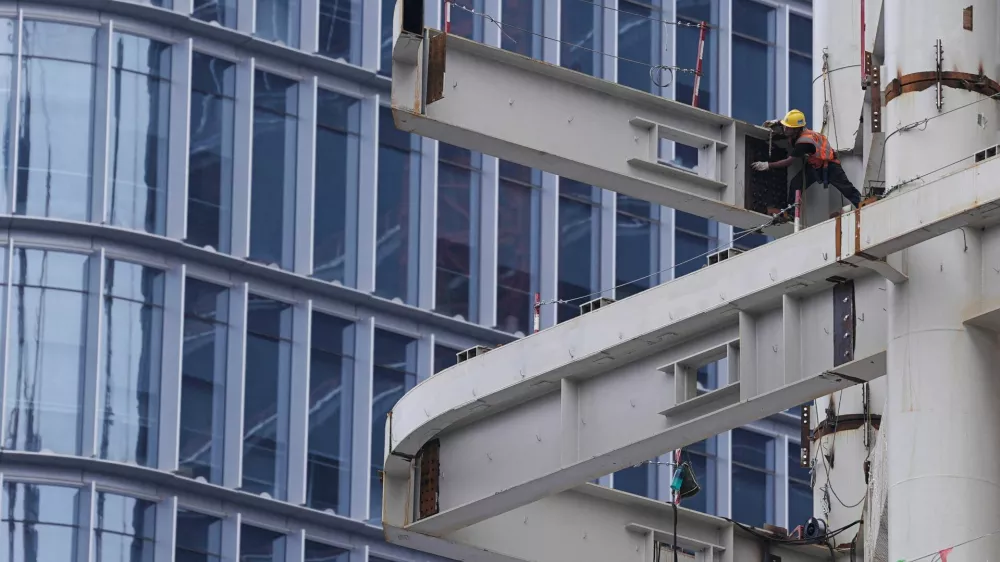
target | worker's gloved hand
x=760, y=166
x=771, y=123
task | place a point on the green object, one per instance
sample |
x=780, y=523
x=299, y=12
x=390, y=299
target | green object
x=683, y=483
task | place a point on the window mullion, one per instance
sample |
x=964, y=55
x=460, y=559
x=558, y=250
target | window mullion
x=102, y=125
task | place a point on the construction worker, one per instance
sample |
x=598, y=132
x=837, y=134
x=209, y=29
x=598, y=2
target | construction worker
x=822, y=165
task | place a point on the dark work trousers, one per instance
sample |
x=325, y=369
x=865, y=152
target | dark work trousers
x=836, y=177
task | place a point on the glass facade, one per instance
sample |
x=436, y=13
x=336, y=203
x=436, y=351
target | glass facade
x=281, y=264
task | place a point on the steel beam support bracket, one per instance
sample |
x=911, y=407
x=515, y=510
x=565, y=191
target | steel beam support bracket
x=920, y=81
x=892, y=267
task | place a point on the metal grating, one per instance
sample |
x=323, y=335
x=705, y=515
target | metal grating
x=765, y=190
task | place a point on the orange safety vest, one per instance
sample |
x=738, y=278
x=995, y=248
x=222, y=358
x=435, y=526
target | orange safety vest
x=824, y=153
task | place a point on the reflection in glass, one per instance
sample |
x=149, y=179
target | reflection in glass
x=124, y=529
x=272, y=201
x=133, y=336
x=199, y=537
x=319, y=552
x=637, y=246
x=221, y=11
x=39, y=523
x=395, y=372
x=459, y=177
x=639, y=43
x=261, y=545
x=278, y=20
x=335, y=220
x=522, y=27
x=266, y=398
x=210, y=164
x=7, y=95
x=398, y=211
x=800, y=65
x=331, y=370
x=580, y=29
x=340, y=30
x=45, y=369
x=579, y=246
x=140, y=112
x=57, y=122
x=203, y=380
x=753, y=478
x=518, y=246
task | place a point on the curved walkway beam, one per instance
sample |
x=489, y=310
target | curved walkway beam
x=613, y=388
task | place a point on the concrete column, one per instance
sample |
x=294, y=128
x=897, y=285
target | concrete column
x=942, y=381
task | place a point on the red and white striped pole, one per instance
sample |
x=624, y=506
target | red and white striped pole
x=798, y=209
x=538, y=312
x=447, y=16
x=697, y=68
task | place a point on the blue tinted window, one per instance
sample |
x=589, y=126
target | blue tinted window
x=199, y=537
x=140, y=114
x=275, y=144
x=579, y=246
x=335, y=220
x=340, y=29
x=638, y=44
x=57, y=123
x=800, y=72
x=637, y=247
x=459, y=178
x=210, y=165
x=39, y=522
x=753, y=478
x=753, y=60
x=331, y=372
x=221, y=11
x=385, y=61
x=444, y=357
x=48, y=342
x=464, y=22
x=746, y=241
x=133, y=337
x=688, y=37
x=203, y=380
x=124, y=529
x=278, y=20
x=261, y=545
x=7, y=62
x=518, y=246
x=704, y=463
x=580, y=28
x=265, y=406
x=395, y=372
x=319, y=552
x=639, y=480
x=800, y=499
x=398, y=211
x=522, y=29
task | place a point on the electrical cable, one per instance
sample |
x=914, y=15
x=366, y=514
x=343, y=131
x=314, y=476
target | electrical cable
x=793, y=542
x=650, y=18
x=742, y=235
x=835, y=70
x=938, y=552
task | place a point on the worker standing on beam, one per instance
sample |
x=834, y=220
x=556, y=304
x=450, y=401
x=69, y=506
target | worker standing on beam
x=822, y=165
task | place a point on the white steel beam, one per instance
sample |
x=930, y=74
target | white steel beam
x=568, y=123
x=596, y=394
x=600, y=524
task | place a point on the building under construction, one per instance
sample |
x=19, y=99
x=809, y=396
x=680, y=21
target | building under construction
x=883, y=318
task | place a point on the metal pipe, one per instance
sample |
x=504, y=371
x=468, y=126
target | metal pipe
x=701, y=55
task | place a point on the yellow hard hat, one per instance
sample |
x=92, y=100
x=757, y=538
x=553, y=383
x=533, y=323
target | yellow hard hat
x=794, y=119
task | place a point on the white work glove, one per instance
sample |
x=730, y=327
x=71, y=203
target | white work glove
x=771, y=123
x=760, y=166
